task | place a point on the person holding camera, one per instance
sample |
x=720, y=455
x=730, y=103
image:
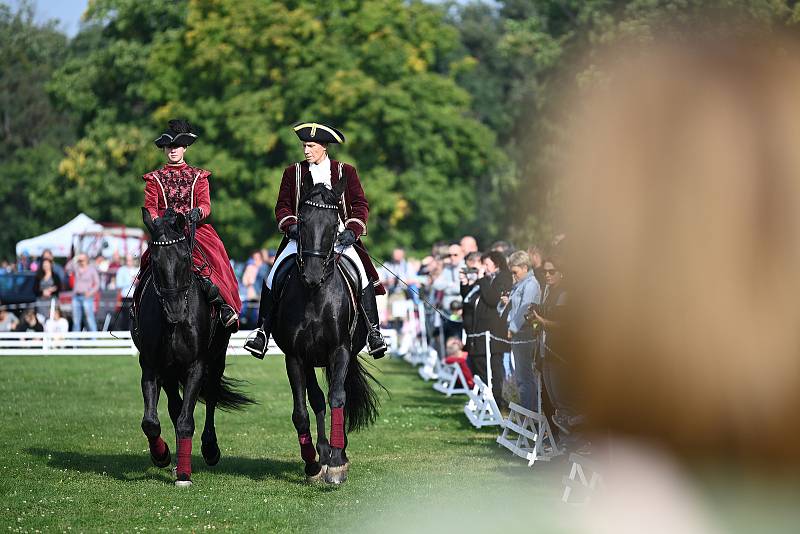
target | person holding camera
x=482, y=283
x=513, y=307
x=548, y=320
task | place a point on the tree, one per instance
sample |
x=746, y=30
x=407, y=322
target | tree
x=376, y=69
x=526, y=54
x=32, y=131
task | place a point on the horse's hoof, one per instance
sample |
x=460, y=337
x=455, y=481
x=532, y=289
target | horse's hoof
x=182, y=480
x=211, y=453
x=164, y=461
x=319, y=477
x=337, y=475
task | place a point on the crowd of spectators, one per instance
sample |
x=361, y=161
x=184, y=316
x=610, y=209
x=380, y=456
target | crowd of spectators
x=83, y=285
x=517, y=296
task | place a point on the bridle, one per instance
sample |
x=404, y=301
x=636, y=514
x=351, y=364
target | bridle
x=170, y=291
x=328, y=257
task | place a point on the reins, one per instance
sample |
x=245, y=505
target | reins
x=327, y=257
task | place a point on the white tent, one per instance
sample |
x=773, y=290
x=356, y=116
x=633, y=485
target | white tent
x=58, y=240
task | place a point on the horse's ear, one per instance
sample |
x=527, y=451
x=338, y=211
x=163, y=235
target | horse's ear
x=147, y=219
x=180, y=221
x=307, y=185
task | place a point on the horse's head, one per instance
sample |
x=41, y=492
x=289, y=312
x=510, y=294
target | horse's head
x=171, y=262
x=318, y=220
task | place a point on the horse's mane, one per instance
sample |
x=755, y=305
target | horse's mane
x=169, y=222
x=328, y=196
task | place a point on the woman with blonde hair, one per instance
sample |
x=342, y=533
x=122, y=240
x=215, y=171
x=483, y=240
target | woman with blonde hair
x=513, y=307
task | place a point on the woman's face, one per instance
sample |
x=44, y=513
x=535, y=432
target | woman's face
x=489, y=266
x=518, y=272
x=552, y=276
x=174, y=153
x=314, y=152
x=47, y=266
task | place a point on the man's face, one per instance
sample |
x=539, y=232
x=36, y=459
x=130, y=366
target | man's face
x=398, y=255
x=454, y=255
x=314, y=152
x=468, y=244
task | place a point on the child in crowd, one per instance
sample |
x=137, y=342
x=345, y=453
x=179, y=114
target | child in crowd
x=456, y=354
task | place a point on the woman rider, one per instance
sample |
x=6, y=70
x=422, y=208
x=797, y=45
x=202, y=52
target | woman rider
x=353, y=214
x=185, y=189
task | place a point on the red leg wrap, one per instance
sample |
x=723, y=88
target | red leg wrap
x=185, y=456
x=157, y=447
x=307, y=451
x=337, y=428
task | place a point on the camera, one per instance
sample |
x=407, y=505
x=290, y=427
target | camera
x=530, y=318
x=471, y=273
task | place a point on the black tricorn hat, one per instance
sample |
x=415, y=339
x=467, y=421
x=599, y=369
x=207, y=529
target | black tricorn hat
x=318, y=133
x=178, y=133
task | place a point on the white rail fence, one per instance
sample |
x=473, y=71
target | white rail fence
x=117, y=343
x=114, y=343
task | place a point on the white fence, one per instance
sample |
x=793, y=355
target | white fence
x=118, y=343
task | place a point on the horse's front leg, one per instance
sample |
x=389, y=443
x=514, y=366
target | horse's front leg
x=297, y=380
x=159, y=452
x=317, y=400
x=338, y=466
x=185, y=426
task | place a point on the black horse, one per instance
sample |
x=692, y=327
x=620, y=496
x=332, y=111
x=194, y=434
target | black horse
x=316, y=324
x=181, y=346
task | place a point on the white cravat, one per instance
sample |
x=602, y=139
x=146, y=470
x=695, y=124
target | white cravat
x=321, y=172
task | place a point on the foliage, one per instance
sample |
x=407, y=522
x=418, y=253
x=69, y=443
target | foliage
x=530, y=53
x=31, y=130
x=373, y=68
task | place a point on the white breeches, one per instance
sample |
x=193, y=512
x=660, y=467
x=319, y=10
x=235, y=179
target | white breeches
x=291, y=248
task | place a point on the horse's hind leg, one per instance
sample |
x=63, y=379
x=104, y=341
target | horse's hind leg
x=317, y=399
x=297, y=380
x=185, y=426
x=209, y=446
x=338, y=466
x=159, y=451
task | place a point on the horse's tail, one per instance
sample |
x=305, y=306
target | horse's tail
x=227, y=393
x=361, y=404
x=230, y=396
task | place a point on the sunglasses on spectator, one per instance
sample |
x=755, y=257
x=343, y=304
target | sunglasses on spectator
x=454, y=254
x=550, y=271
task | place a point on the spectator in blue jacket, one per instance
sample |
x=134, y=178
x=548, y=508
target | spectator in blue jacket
x=513, y=307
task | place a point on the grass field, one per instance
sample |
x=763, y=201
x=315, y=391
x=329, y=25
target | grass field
x=73, y=458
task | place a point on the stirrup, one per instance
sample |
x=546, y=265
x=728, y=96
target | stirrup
x=249, y=344
x=233, y=318
x=380, y=350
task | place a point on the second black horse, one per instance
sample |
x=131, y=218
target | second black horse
x=316, y=323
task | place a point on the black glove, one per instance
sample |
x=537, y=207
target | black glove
x=194, y=215
x=292, y=232
x=347, y=237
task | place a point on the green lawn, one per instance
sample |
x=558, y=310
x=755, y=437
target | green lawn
x=72, y=457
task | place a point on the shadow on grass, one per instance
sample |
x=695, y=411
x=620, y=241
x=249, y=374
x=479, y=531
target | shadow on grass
x=129, y=467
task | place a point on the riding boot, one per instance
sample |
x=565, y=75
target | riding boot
x=227, y=314
x=258, y=345
x=375, y=341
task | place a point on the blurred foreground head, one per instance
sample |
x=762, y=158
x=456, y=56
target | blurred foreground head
x=683, y=198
